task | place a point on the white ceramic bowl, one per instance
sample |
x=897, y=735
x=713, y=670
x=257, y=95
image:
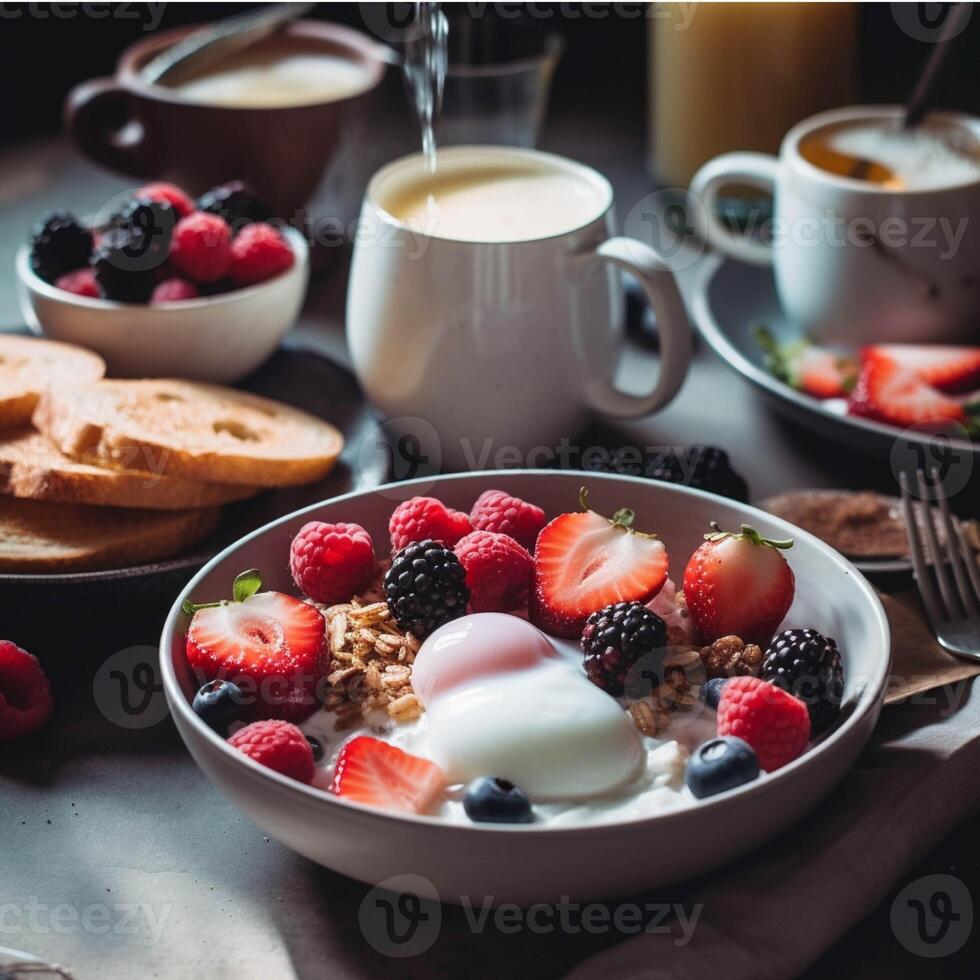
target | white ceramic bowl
x=527, y=864
x=214, y=338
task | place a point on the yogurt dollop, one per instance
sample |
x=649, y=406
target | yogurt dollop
x=500, y=701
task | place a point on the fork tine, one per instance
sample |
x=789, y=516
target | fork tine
x=953, y=552
x=969, y=559
x=922, y=575
x=938, y=565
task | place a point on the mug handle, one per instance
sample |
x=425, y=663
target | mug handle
x=99, y=122
x=751, y=169
x=642, y=262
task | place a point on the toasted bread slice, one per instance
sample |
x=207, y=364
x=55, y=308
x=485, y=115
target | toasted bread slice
x=190, y=430
x=28, y=366
x=39, y=536
x=31, y=466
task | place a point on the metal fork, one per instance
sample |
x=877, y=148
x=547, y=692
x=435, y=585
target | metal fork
x=952, y=602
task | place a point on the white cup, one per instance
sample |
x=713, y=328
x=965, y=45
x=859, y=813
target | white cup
x=856, y=262
x=502, y=348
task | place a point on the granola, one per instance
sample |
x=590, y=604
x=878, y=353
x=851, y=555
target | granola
x=731, y=656
x=371, y=661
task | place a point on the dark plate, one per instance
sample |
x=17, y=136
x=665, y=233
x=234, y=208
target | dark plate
x=293, y=375
x=728, y=301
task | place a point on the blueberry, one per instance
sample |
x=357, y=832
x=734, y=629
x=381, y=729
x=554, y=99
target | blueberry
x=316, y=746
x=712, y=691
x=218, y=704
x=490, y=799
x=719, y=764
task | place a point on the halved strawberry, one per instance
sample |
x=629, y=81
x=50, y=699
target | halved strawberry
x=271, y=645
x=825, y=374
x=955, y=370
x=887, y=391
x=818, y=371
x=374, y=772
x=739, y=584
x=585, y=561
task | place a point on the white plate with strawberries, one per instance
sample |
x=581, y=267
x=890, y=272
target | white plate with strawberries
x=863, y=398
x=535, y=690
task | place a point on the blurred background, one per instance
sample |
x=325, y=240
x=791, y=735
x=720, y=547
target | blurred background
x=47, y=48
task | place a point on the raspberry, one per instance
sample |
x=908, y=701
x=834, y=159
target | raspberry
x=173, y=290
x=280, y=745
x=25, y=697
x=202, y=247
x=498, y=570
x=81, y=282
x=774, y=723
x=259, y=252
x=425, y=517
x=499, y=511
x=170, y=193
x=331, y=562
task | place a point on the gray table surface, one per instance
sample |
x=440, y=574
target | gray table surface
x=120, y=860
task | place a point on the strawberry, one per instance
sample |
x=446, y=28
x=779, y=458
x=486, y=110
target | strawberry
x=887, y=391
x=270, y=644
x=738, y=584
x=825, y=374
x=817, y=371
x=584, y=562
x=379, y=774
x=954, y=370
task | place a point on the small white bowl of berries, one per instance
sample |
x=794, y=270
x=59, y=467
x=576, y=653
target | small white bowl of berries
x=168, y=286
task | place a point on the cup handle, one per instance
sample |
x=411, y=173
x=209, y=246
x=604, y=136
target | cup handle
x=99, y=122
x=751, y=169
x=641, y=261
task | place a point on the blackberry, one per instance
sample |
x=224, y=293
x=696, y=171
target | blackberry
x=236, y=202
x=702, y=467
x=59, y=244
x=425, y=587
x=615, y=638
x=808, y=665
x=155, y=220
x=124, y=266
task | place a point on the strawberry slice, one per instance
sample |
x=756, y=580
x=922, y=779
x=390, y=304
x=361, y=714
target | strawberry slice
x=954, y=370
x=585, y=561
x=271, y=645
x=374, y=772
x=819, y=372
x=890, y=392
x=823, y=373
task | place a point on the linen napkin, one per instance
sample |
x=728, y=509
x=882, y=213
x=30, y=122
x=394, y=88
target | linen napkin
x=919, y=663
x=774, y=912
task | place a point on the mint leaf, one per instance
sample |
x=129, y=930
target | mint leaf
x=246, y=585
